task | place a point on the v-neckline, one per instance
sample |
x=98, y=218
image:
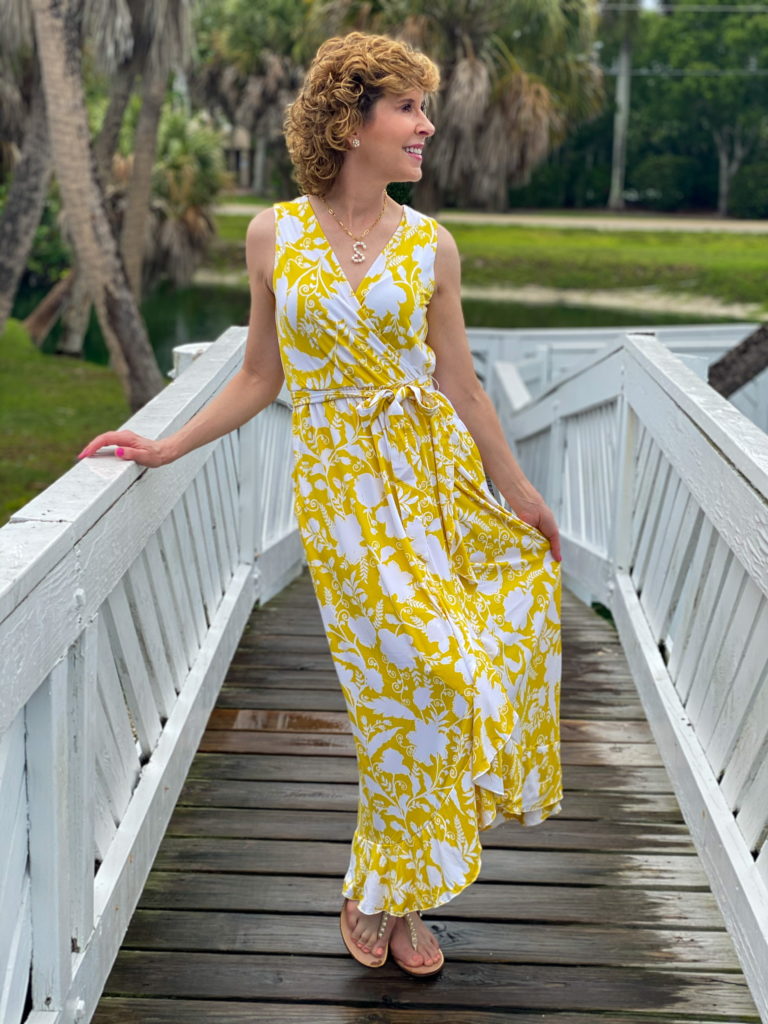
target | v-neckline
x=355, y=292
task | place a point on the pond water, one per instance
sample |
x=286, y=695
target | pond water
x=203, y=313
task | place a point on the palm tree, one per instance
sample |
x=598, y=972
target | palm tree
x=249, y=72
x=57, y=34
x=186, y=178
x=157, y=37
x=24, y=204
x=162, y=30
x=515, y=74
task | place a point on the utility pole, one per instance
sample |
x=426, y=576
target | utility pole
x=621, y=117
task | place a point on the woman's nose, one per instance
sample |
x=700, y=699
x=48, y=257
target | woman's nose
x=427, y=127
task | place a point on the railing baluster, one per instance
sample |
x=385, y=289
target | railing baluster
x=50, y=814
x=83, y=700
x=16, y=937
x=248, y=489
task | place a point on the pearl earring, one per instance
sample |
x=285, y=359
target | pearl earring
x=355, y=143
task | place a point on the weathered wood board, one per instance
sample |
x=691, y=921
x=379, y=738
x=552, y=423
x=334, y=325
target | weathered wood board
x=602, y=915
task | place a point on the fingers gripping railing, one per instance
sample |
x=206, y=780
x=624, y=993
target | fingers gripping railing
x=660, y=488
x=123, y=594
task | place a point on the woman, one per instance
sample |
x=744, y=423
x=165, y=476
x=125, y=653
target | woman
x=441, y=608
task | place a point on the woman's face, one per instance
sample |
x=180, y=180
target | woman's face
x=392, y=139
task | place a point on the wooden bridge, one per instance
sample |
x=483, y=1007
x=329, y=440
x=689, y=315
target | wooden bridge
x=127, y=597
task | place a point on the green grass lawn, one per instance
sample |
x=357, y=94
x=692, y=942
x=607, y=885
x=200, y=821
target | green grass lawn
x=726, y=266
x=50, y=406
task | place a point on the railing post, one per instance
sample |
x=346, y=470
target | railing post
x=557, y=455
x=249, y=507
x=50, y=811
x=620, y=544
x=84, y=699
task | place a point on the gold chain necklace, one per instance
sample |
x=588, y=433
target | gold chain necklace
x=359, y=246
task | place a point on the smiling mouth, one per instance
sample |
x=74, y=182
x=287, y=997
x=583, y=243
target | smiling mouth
x=416, y=151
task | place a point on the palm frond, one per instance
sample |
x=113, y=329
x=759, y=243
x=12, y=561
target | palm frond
x=15, y=26
x=109, y=24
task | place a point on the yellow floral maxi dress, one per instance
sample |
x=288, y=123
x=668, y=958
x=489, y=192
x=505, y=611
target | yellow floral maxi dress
x=442, y=610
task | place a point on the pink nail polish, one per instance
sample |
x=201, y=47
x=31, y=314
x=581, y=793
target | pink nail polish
x=120, y=452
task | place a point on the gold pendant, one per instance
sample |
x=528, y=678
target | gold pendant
x=358, y=249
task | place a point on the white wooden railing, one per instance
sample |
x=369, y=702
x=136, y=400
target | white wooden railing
x=123, y=595
x=544, y=356
x=660, y=487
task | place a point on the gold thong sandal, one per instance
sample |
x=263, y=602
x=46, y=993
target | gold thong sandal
x=427, y=970
x=366, y=959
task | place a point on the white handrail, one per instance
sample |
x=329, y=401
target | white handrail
x=123, y=595
x=545, y=356
x=660, y=487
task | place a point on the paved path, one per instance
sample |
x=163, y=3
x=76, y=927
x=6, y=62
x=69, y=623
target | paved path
x=596, y=221
x=648, y=300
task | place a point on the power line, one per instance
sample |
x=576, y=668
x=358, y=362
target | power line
x=694, y=8
x=685, y=73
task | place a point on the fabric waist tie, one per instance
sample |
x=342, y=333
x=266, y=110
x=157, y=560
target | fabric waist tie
x=376, y=404
x=375, y=397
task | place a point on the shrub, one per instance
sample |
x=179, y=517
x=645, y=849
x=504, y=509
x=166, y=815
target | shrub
x=666, y=182
x=749, y=191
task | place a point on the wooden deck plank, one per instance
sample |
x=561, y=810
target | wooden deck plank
x=254, y=694
x=661, y=908
x=467, y=985
x=485, y=942
x=280, y=741
x=311, y=720
x=193, y=1011
x=287, y=821
x=293, y=767
x=292, y=797
x=602, y=915
x=268, y=856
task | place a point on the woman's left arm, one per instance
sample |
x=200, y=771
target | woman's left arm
x=456, y=378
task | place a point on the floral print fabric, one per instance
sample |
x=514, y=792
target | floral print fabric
x=441, y=608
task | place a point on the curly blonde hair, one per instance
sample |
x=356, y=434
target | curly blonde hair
x=346, y=77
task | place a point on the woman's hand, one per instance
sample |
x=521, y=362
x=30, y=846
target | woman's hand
x=130, y=447
x=539, y=515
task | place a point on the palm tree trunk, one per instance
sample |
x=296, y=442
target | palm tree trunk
x=131, y=355
x=140, y=188
x=76, y=314
x=105, y=143
x=24, y=205
x=75, y=317
x=740, y=364
x=45, y=314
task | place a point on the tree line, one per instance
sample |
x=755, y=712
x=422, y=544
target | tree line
x=114, y=116
x=696, y=110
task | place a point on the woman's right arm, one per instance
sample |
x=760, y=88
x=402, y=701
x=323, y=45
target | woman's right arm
x=254, y=386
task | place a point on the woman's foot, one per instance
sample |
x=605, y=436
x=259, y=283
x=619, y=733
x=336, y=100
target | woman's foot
x=364, y=929
x=427, y=952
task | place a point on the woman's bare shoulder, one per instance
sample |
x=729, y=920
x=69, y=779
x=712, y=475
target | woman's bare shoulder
x=260, y=243
x=261, y=227
x=447, y=259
